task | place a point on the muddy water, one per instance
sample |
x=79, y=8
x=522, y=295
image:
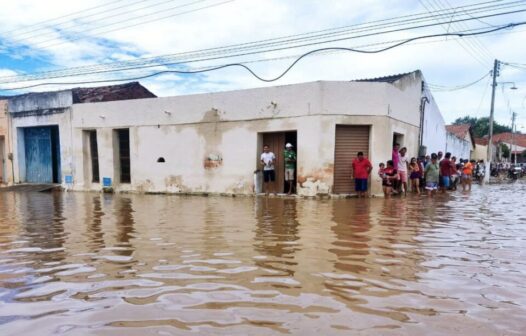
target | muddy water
x=90, y=264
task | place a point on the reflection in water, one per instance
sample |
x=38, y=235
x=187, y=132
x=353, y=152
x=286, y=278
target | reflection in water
x=276, y=235
x=93, y=264
x=124, y=225
x=94, y=232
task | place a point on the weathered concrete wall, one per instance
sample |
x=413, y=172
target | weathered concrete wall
x=480, y=153
x=186, y=130
x=458, y=147
x=44, y=102
x=6, y=176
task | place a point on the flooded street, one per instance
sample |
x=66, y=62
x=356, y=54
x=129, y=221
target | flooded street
x=96, y=264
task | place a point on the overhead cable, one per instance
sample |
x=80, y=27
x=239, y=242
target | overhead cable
x=508, y=26
x=174, y=60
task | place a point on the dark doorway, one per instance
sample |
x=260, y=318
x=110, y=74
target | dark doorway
x=124, y=155
x=94, y=155
x=277, y=141
x=42, y=154
x=398, y=139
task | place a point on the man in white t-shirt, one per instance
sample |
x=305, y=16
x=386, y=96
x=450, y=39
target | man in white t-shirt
x=403, y=163
x=268, y=160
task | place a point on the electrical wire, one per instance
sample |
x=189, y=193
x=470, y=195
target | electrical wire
x=508, y=26
x=437, y=87
x=77, y=34
x=466, y=46
x=43, y=23
x=476, y=41
x=485, y=6
x=147, y=63
x=52, y=30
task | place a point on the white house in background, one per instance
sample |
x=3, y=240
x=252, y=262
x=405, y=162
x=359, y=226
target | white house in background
x=210, y=143
x=460, y=141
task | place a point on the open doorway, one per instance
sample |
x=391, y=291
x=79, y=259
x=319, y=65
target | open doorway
x=398, y=139
x=277, y=141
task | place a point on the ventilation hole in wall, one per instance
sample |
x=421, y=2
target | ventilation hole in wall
x=161, y=159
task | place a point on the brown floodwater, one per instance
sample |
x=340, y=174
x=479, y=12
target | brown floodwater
x=97, y=264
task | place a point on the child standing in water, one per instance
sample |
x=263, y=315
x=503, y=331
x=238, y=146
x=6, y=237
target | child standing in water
x=388, y=178
x=415, y=174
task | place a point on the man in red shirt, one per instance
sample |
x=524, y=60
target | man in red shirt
x=361, y=169
x=446, y=168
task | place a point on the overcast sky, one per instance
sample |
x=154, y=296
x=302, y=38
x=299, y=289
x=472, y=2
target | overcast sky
x=96, y=31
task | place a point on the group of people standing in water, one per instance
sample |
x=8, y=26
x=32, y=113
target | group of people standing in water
x=429, y=174
x=435, y=172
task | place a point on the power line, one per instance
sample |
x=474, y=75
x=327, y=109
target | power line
x=508, y=26
x=474, y=55
x=479, y=6
x=42, y=23
x=169, y=59
x=63, y=26
x=437, y=87
x=45, y=44
x=476, y=41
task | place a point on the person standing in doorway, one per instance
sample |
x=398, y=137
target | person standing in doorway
x=361, y=169
x=403, y=164
x=268, y=160
x=290, y=166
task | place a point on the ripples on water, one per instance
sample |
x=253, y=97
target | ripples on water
x=90, y=264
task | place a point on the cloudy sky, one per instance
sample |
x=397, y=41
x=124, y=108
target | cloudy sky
x=41, y=37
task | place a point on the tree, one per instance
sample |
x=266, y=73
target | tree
x=480, y=126
x=505, y=150
x=524, y=154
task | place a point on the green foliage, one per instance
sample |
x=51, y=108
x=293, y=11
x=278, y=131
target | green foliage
x=505, y=150
x=480, y=126
x=524, y=154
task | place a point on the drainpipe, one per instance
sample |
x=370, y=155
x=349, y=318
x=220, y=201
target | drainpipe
x=423, y=101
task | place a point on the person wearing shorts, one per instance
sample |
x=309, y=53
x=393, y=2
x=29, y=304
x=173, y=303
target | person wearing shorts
x=431, y=174
x=467, y=173
x=402, y=169
x=415, y=175
x=290, y=165
x=361, y=169
x=268, y=160
x=445, y=172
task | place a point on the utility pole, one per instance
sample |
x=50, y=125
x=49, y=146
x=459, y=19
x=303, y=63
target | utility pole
x=495, y=74
x=513, y=115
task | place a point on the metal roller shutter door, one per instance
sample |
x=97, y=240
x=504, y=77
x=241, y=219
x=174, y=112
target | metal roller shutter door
x=349, y=141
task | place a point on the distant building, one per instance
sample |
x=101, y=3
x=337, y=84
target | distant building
x=516, y=142
x=481, y=150
x=460, y=141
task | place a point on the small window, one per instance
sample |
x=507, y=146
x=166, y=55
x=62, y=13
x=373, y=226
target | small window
x=161, y=160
